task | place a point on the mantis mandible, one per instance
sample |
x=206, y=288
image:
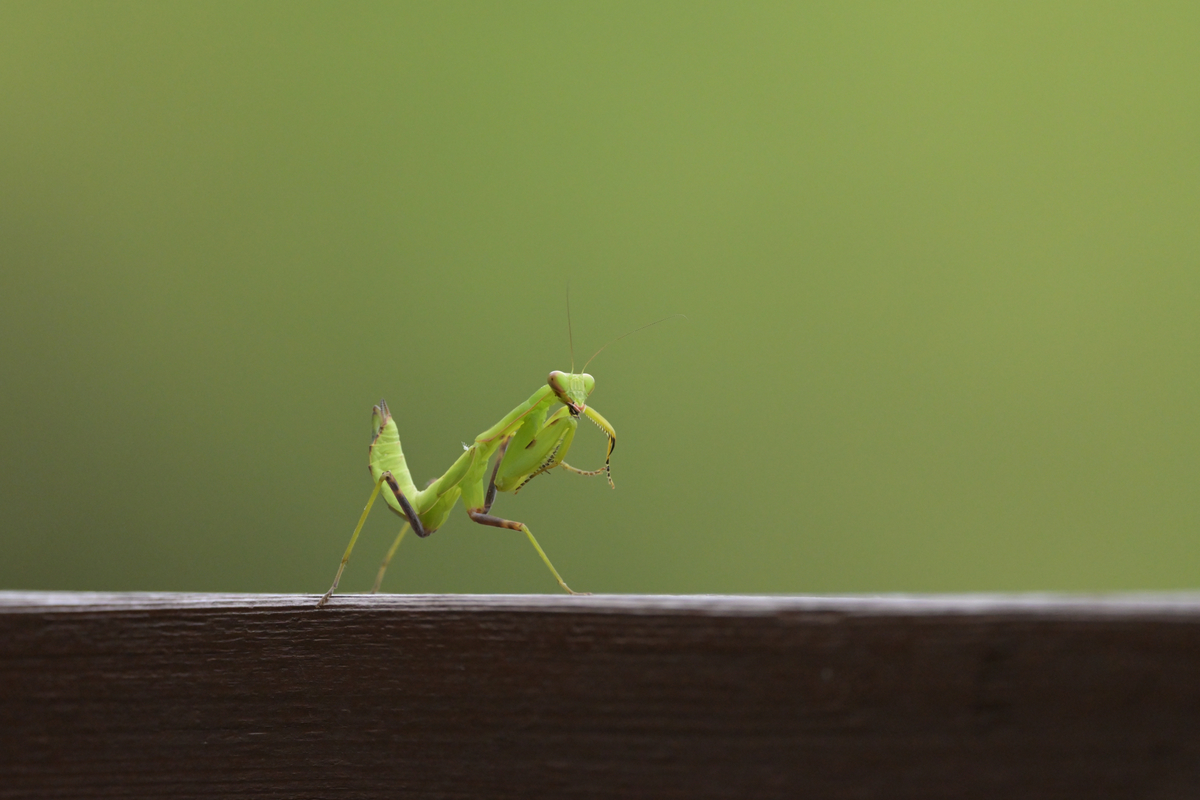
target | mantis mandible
x=526, y=444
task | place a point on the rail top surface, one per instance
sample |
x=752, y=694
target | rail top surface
x=1057, y=605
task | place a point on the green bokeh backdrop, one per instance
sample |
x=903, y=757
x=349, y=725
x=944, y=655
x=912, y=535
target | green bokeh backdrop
x=939, y=263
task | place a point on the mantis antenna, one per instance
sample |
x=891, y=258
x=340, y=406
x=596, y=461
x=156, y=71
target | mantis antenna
x=570, y=335
x=622, y=336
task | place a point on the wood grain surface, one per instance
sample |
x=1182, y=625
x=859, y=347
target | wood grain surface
x=182, y=695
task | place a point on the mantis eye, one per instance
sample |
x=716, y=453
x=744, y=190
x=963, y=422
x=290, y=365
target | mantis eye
x=559, y=391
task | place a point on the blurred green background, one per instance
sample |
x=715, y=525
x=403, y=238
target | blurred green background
x=939, y=263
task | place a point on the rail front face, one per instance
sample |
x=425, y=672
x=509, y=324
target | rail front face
x=406, y=696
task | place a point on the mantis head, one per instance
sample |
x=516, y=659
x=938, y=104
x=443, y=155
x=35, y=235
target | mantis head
x=572, y=389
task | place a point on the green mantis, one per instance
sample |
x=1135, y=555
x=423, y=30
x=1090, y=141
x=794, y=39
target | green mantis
x=526, y=443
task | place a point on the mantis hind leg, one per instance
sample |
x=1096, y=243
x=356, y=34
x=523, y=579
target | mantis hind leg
x=388, y=558
x=409, y=512
x=392, y=550
x=353, y=538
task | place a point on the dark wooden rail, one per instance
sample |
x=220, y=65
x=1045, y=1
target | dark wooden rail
x=174, y=695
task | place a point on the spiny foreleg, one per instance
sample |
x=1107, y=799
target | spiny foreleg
x=611, y=435
x=546, y=466
x=590, y=472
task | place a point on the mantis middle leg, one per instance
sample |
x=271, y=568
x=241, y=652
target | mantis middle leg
x=482, y=516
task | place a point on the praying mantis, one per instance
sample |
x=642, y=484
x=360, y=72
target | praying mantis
x=526, y=443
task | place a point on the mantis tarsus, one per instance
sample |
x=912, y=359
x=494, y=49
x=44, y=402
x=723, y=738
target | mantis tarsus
x=526, y=443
